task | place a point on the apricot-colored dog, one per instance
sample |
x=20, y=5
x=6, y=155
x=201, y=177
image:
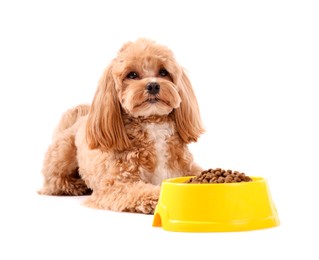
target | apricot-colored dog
x=132, y=137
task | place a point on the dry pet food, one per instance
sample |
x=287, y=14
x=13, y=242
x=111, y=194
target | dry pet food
x=219, y=175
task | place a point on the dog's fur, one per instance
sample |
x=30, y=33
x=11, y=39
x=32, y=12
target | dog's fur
x=132, y=137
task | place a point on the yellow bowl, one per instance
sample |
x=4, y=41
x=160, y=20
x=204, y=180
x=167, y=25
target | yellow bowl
x=218, y=207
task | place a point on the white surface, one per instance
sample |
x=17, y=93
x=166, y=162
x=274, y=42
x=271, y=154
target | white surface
x=254, y=67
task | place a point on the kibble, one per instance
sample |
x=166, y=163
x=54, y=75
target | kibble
x=219, y=175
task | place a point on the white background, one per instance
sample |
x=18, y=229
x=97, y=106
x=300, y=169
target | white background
x=254, y=67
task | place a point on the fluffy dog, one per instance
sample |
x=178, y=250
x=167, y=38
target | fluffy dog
x=132, y=137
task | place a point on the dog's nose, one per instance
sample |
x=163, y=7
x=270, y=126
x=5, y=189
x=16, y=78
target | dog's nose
x=153, y=88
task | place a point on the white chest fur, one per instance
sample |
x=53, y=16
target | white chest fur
x=159, y=133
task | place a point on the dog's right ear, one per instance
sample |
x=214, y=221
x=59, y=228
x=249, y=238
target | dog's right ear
x=105, y=128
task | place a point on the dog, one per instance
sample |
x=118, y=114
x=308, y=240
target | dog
x=134, y=135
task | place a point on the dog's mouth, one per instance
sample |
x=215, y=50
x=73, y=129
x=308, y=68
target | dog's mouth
x=155, y=100
x=152, y=100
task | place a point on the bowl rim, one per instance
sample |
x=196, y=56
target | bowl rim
x=179, y=181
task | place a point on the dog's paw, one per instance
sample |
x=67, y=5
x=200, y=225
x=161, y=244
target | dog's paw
x=76, y=187
x=147, y=205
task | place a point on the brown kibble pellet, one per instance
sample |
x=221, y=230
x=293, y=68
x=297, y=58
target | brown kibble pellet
x=228, y=179
x=219, y=175
x=221, y=180
x=241, y=176
x=247, y=178
x=237, y=179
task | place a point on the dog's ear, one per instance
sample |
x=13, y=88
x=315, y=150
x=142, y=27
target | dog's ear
x=187, y=116
x=105, y=128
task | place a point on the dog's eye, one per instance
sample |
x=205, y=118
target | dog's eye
x=163, y=73
x=132, y=75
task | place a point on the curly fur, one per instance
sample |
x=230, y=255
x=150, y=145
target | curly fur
x=121, y=147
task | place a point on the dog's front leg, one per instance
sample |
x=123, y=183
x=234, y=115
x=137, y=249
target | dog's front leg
x=137, y=197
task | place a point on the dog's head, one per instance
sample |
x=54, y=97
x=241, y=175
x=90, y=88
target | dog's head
x=143, y=80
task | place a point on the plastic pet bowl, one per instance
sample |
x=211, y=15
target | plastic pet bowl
x=242, y=206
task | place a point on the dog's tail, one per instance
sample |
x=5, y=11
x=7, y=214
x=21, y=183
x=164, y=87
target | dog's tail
x=70, y=117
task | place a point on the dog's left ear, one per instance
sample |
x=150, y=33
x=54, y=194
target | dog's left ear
x=187, y=116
